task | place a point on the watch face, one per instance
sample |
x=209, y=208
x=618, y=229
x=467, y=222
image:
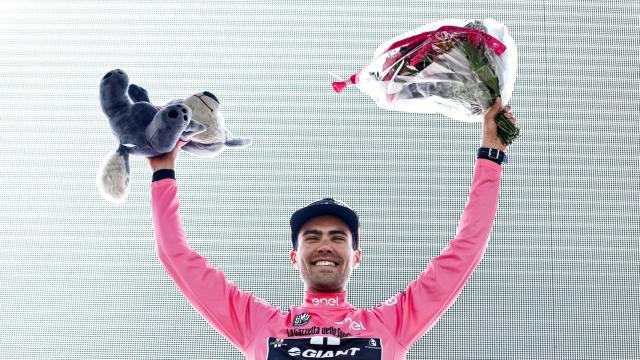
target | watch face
x=325, y=348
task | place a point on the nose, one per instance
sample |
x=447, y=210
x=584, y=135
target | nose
x=206, y=93
x=325, y=245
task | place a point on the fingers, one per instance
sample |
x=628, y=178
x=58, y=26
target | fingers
x=179, y=146
x=493, y=111
x=509, y=115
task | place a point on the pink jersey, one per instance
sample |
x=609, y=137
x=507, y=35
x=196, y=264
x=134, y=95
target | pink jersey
x=326, y=326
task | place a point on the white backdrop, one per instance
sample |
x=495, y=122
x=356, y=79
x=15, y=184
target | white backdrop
x=79, y=278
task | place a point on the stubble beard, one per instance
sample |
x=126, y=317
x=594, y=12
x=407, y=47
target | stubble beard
x=326, y=282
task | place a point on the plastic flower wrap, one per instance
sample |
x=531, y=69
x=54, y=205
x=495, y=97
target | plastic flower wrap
x=454, y=67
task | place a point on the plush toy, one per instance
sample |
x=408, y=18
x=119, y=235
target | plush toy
x=143, y=129
x=205, y=109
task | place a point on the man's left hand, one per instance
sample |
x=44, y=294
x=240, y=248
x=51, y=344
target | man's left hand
x=490, y=137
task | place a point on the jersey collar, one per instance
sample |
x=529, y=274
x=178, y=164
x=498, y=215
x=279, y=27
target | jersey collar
x=325, y=300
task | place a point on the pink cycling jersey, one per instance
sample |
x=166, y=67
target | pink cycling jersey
x=326, y=326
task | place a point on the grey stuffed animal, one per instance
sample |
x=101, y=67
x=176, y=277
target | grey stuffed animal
x=205, y=109
x=140, y=129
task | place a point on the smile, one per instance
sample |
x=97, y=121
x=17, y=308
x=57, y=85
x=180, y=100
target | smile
x=325, y=263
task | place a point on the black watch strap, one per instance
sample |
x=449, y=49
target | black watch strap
x=495, y=155
x=164, y=174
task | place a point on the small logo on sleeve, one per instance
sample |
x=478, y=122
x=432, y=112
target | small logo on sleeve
x=301, y=319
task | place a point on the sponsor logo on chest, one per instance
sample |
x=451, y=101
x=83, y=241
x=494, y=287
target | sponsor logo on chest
x=352, y=324
x=301, y=319
x=322, y=354
x=324, y=347
x=325, y=301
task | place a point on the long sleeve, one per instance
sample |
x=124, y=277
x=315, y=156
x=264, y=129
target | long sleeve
x=411, y=313
x=234, y=313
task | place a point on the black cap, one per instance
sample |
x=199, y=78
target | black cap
x=326, y=206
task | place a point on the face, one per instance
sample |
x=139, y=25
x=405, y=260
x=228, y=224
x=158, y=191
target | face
x=325, y=256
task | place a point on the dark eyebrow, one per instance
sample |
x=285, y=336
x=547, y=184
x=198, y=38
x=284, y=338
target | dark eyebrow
x=318, y=232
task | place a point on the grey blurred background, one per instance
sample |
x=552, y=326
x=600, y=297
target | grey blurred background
x=79, y=278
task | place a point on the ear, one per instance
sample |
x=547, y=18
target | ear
x=357, y=257
x=293, y=256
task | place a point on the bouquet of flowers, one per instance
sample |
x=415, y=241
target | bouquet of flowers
x=454, y=67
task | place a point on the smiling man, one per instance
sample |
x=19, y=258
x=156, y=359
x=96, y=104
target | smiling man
x=325, y=245
x=325, y=250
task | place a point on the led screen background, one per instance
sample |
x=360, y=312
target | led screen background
x=79, y=277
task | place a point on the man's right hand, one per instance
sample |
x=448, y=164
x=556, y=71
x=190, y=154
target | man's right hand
x=166, y=161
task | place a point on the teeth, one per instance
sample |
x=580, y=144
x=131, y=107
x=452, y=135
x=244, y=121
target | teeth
x=325, y=263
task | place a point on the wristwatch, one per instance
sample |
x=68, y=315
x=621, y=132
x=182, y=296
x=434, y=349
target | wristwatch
x=495, y=155
x=163, y=174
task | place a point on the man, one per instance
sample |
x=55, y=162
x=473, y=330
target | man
x=325, y=251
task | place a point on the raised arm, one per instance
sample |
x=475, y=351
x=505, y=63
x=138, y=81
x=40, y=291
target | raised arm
x=411, y=313
x=234, y=313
